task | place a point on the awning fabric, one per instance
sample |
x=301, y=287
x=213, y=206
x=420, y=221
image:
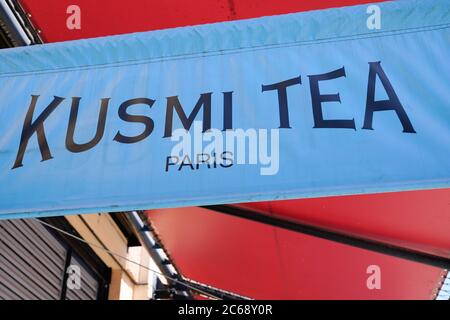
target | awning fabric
x=364, y=110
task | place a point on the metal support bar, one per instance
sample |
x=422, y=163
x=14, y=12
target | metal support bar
x=181, y=285
x=16, y=25
x=367, y=244
x=148, y=242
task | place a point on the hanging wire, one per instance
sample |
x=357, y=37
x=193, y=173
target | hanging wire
x=131, y=261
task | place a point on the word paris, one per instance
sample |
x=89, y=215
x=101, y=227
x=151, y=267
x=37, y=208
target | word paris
x=31, y=127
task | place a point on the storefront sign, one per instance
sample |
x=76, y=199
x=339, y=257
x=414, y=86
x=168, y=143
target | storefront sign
x=291, y=106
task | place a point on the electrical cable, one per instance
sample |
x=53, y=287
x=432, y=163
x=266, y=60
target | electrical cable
x=131, y=261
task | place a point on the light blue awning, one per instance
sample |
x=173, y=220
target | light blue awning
x=86, y=126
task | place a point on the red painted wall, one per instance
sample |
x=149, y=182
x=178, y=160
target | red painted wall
x=109, y=17
x=265, y=262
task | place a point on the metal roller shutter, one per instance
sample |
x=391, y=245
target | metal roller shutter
x=34, y=262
